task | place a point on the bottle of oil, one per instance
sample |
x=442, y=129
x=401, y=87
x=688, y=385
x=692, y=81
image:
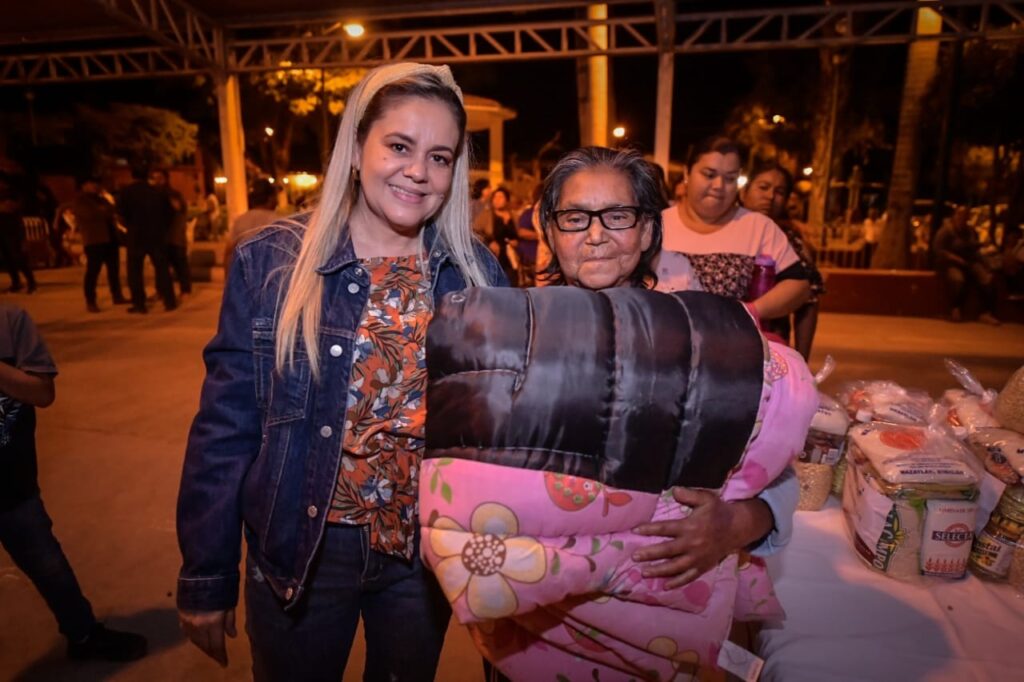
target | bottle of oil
x=993, y=549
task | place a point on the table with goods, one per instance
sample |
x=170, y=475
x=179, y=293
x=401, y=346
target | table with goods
x=907, y=559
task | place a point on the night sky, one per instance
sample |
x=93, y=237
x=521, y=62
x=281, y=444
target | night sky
x=543, y=93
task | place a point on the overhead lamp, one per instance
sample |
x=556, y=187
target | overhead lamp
x=619, y=132
x=741, y=181
x=269, y=131
x=220, y=180
x=354, y=29
x=808, y=170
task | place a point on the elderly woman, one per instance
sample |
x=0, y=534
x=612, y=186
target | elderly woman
x=594, y=446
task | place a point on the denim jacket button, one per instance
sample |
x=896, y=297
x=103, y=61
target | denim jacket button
x=353, y=288
x=335, y=350
x=289, y=593
x=311, y=511
x=326, y=431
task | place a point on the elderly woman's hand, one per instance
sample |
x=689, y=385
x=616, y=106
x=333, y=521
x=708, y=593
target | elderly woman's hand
x=714, y=530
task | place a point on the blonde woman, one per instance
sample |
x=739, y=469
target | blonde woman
x=311, y=422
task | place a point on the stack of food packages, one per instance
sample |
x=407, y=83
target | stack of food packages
x=824, y=447
x=926, y=488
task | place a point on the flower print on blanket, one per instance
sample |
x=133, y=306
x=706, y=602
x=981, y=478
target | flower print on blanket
x=482, y=561
x=538, y=564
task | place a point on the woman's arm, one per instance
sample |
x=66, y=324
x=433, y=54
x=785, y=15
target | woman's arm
x=783, y=298
x=222, y=444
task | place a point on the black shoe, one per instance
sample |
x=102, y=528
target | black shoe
x=169, y=308
x=92, y=307
x=137, y=310
x=31, y=288
x=121, y=300
x=108, y=645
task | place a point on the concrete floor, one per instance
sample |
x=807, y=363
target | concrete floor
x=110, y=451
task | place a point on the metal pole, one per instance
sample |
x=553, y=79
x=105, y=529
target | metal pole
x=665, y=13
x=325, y=151
x=946, y=137
x=833, y=115
x=232, y=144
x=598, y=70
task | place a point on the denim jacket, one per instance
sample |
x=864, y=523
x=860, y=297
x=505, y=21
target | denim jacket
x=264, y=450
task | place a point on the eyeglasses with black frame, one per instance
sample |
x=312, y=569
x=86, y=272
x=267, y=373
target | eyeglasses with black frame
x=613, y=218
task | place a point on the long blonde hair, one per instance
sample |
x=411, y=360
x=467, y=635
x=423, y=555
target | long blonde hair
x=328, y=222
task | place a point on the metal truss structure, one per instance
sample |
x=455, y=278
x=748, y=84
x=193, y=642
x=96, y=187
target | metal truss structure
x=187, y=42
x=171, y=23
x=878, y=23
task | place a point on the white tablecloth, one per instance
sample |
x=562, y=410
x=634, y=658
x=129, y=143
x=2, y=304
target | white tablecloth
x=846, y=621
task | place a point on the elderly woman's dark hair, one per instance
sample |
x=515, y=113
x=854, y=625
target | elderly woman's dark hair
x=646, y=182
x=716, y=143
x=763, y=166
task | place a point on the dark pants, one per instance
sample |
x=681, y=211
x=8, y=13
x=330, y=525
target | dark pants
x=802, y=326
x=13, y=253
x=136, y=260
x=959, y=280
x=177, y=258
x=96, y=256
x=26, y=532
x=405, y=616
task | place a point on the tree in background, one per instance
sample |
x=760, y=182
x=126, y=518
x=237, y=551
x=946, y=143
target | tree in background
x=922, y=64
x=768, y=134
x=987, y=129
x=286, y=101
x=139, y=133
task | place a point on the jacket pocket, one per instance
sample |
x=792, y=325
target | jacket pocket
x=282, y=395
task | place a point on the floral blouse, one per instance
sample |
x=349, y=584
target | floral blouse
x=386, y=413
x=725, y=274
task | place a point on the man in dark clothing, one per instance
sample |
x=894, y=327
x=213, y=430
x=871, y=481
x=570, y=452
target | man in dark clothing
x=94, y=220
x=146, y=213
x=26, y=531
x=959, y=264
x=177, y=239
x=12, y=235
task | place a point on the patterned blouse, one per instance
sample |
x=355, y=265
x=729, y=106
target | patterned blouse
x=386, y=413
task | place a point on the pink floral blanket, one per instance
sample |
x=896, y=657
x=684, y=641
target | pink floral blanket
x=538, y=564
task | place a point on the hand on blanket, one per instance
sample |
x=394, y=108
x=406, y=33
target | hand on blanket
x=714, y=530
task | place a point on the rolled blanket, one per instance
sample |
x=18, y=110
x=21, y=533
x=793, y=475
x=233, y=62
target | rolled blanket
x=558, y=420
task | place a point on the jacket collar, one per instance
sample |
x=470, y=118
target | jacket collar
x=345, y=255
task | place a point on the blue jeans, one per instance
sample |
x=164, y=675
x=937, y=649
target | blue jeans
x=26, y=532
x=405, y=616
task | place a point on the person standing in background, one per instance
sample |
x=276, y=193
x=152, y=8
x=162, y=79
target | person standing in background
x=12, y=236
x=177, y=239
x=261, y=213
x=146, y=213
x=96, y=225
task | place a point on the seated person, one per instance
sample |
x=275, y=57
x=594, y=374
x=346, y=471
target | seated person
x=960, y=267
